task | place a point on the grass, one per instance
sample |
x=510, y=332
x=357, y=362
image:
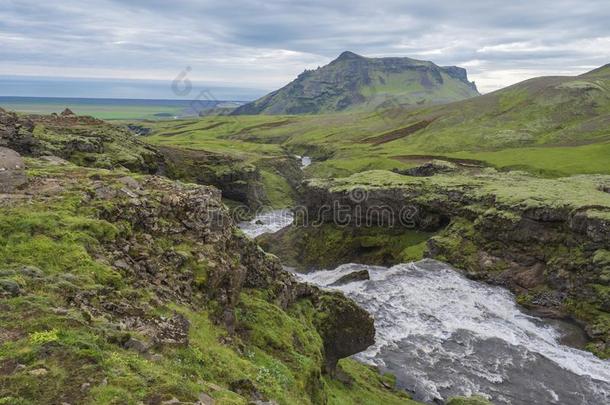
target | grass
x=513, y=189
x=100, y=108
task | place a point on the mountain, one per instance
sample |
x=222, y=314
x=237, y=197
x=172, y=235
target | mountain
x=354, y=82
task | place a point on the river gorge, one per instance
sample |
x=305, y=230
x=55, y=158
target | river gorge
x=443, y=335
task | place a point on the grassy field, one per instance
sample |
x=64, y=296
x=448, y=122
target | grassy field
x=107, y=109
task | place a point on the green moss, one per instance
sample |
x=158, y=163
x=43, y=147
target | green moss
x=368, y=387
x=279, y=193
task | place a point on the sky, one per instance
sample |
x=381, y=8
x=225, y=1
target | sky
x=239, y=49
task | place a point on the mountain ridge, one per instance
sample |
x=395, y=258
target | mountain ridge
x=353, y=82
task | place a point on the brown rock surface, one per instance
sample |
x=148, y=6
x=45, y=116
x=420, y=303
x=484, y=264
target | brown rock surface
x=12, y=170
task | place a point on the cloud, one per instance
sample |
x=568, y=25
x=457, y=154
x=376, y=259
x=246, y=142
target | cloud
x=264, y=44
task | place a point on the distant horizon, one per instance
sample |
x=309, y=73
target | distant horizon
x=156, y=89
x=119, y=88
x=119, y=98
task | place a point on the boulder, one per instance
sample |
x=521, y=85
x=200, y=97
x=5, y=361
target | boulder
x=246, y=388
x=345, y=328
x=429, y=169
x=352, y=277
x=12, y=170
x=9, y=288
x=16, y=133
x=205, y=399
x=67, y=113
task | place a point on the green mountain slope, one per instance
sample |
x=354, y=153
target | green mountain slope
x=354, y=82
x=550, y=125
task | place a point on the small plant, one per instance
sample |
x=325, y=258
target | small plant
x=198, y=355
x=44, y=337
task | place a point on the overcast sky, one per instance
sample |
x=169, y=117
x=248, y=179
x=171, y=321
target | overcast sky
x=256, y=46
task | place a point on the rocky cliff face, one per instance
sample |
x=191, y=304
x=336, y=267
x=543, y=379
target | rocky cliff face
x=547, y=240
x=353, y=81
x=238, y=181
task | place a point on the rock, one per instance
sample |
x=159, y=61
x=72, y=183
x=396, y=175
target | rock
x=130, y=182
x=205, y=399
x=67, y=113
x=85, y=387
x=428, y=169
x=137, y=345
x=352, y=277
x=19, y=367
x=346, y=329
x=139, y=130
x=31, y=271
x=531, y=277
x=39, y=372
x=246, y=388
x=16, y=133
x=10, y=288
x=172, y=331
x=12, y=170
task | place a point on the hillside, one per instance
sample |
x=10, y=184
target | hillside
x=553, y=126
x=354, y=82
x=122, y=287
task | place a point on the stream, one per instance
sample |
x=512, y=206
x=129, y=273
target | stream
x=443, y=335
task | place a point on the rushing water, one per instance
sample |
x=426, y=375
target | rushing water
x=305, y=161
x=443, y=335
x=268, y=222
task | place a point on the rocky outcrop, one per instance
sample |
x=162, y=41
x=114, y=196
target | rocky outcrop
x=80, y=139
x=161, y=209
x=428, y=169
x=12, y=170
x=238, y=181
x=16, y=133
x=345, y=327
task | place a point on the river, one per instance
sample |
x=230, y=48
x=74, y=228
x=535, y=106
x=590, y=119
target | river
x=443, y=335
